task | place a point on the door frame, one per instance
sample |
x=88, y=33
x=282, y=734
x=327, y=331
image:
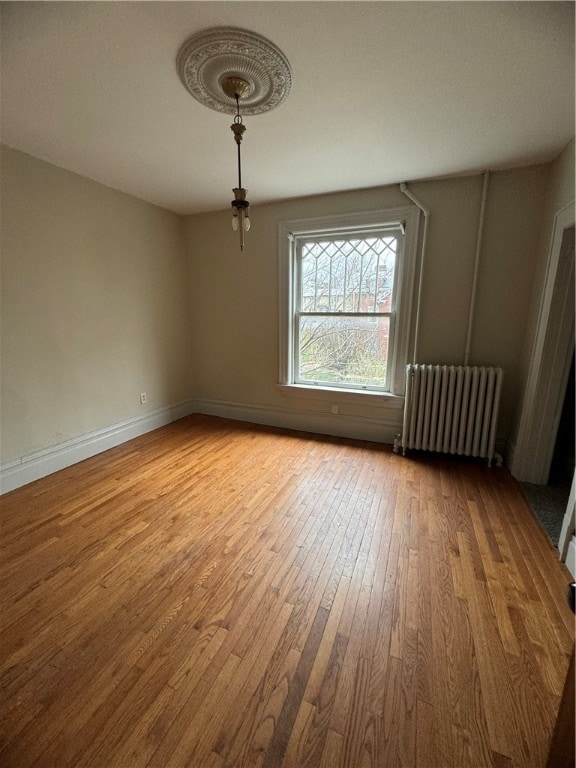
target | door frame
x=550, y=361
x=568, y=528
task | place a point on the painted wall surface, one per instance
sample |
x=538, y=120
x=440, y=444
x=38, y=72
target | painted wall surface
x=234, y=296
x=561, y=189
x=105, y=296
x=560, y=192
x=94, y=306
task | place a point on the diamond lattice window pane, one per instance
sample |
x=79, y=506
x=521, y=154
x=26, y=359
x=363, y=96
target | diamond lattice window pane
x=348, y=275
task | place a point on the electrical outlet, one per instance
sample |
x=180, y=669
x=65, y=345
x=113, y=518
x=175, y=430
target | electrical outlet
x=142, y=397
x=335, y=409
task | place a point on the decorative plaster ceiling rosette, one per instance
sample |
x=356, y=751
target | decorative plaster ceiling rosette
x=211, y=57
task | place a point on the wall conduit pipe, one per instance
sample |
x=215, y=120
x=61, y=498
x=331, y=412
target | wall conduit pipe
x=476, y=267
x=426, y=212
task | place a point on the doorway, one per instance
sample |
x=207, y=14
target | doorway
x=549, y=501
x=562, y=466
x=551, y=360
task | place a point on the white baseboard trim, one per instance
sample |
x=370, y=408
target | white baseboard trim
x=338, y=425
x=379, y=430
x=26, y=469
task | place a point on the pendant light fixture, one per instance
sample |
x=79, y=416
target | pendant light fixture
x=224, y=67
x=241, y=216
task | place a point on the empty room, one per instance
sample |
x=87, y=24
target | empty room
x=287, y=384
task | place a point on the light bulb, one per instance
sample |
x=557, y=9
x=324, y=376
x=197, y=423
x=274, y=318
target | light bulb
x=235, y=221
x=246, y=222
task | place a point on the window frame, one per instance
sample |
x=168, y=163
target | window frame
x=289, y=232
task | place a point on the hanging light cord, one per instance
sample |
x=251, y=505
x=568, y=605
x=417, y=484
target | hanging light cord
x=238, y=137
x=240, y=219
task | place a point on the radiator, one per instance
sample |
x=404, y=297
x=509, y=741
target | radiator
x=452, y=409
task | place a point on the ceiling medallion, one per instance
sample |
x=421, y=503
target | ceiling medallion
x=210, y=60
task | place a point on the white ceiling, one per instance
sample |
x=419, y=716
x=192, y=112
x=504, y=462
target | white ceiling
x=382, y=92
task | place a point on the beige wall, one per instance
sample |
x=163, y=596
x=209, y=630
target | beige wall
x=94, y=306
x=561, y=189
x=559, y=193
x=234, y=296
x=100, y=301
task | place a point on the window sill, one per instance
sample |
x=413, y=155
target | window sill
x=338, y=395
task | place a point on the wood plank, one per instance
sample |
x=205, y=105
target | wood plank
x=503, y=713
x=247, y=734
x=295, y=697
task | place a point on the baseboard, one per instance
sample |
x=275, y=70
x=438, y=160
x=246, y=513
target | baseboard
x=340, y=425
x=26, y=469
x=19, y=472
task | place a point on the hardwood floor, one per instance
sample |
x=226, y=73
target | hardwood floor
x=218, y=595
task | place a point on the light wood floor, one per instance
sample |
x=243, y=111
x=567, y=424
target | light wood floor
x=216, y=595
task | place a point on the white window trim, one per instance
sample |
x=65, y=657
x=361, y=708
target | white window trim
x=287, y=230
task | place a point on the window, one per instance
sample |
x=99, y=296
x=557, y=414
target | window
x=345, y=291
